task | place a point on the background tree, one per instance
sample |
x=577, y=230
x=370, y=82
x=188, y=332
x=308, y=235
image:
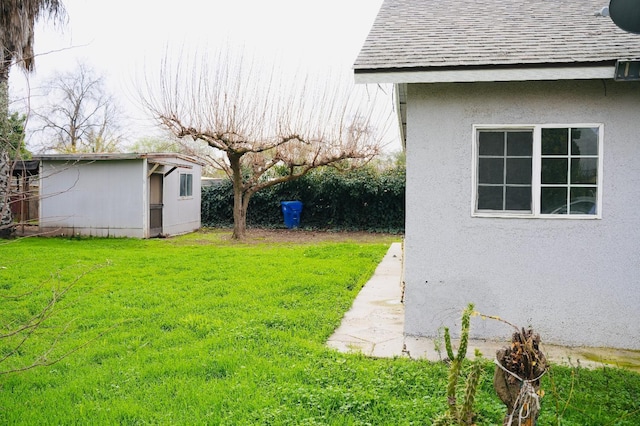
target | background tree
x=261, y=120
x=156, y=144
x=16, y=136
x=81, y=115
x=17, y=20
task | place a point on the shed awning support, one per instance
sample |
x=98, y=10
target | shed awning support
x=168, y=164
x=153, y=169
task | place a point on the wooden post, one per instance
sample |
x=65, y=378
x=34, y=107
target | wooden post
x=23, y=196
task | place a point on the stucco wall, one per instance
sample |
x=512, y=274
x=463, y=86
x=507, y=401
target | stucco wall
x=99, y=198
x=577, y=282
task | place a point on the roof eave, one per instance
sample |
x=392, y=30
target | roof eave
x=462, y=74
x=153, y=157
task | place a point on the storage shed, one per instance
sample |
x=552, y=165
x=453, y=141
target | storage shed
x=119, y=195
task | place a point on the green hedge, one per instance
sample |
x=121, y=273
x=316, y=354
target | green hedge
x=362, y=199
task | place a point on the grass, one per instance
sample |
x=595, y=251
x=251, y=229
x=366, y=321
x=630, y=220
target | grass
x=201, y=330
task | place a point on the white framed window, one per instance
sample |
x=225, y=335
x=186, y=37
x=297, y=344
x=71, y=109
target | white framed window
x=186, y=185
x=550, y=171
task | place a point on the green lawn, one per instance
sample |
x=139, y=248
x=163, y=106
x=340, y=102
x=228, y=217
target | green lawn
x=201, y=330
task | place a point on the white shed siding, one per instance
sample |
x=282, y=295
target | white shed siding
x=577, y=282
x=181, y=214
x=99, y=198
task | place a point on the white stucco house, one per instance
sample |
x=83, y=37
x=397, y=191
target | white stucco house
x=119, y=195
x=521, y=121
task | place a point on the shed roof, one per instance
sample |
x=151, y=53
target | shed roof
x=153, y=157
x=427, y=35
x=25, y=167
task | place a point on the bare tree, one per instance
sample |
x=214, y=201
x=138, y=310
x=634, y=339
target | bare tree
x=81, y=115
x=260, y=119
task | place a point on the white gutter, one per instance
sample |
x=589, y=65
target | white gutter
x=469, y=76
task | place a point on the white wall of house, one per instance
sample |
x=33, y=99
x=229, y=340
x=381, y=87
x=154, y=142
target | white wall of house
x=98, y=198
x=577, y=282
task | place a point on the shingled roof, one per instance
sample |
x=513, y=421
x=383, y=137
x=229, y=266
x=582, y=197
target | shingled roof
x=426, y=35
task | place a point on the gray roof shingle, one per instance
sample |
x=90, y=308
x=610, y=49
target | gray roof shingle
x=443, y=34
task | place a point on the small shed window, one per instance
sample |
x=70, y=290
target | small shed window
x=186, y=185
x=538, y=171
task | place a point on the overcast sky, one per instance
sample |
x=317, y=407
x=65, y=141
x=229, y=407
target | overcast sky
x=120, y=37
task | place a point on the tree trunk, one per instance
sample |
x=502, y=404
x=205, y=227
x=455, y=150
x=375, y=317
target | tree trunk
x=6, y=221
x=240, y=204
x=240, y=198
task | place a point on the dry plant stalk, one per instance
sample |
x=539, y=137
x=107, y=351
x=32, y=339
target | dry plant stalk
x=516, y=380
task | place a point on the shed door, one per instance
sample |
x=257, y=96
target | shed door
x=155, y=204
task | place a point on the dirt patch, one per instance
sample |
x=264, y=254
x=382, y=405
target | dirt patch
x=300, y=236
x=261, y=236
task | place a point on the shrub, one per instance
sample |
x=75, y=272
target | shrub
x=365, y=199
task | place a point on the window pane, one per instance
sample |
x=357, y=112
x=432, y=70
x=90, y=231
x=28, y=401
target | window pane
x=555, y=141
x=519, y=144
x=491, y=143
x=554, y=170
x=553, y=200
x=568, y=159
x=519, y=170
x=584, y=141
x=518, y=198
x=189, y=185
x=584, y=170
x=491, y=170
x=490, y=198
x=583, y=201
x=186, y=185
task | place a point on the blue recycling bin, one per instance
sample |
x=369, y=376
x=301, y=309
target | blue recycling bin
x=291, y=211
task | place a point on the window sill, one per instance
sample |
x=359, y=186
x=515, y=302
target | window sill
x=534, y=216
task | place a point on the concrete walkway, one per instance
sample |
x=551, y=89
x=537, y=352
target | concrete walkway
x=374, y=326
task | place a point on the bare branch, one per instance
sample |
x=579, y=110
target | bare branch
x=24, y=330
